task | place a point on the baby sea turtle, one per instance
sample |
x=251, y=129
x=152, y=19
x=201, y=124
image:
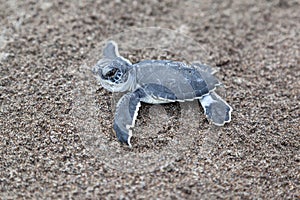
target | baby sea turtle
x=157, y=82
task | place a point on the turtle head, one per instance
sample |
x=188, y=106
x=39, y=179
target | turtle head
x=113, y=71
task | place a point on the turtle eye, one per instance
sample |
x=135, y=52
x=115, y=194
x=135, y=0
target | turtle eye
x=111, y=73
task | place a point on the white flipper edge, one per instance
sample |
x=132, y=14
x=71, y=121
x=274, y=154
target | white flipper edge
x=216, y=109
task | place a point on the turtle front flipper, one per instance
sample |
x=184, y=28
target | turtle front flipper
x=216, y=109
x=111, y=50
x=126, y=113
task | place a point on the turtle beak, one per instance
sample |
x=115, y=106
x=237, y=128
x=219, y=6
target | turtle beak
x=95, y=70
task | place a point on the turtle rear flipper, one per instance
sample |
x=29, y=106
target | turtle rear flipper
x=216, y=109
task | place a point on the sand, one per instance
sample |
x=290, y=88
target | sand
x=56, y=138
